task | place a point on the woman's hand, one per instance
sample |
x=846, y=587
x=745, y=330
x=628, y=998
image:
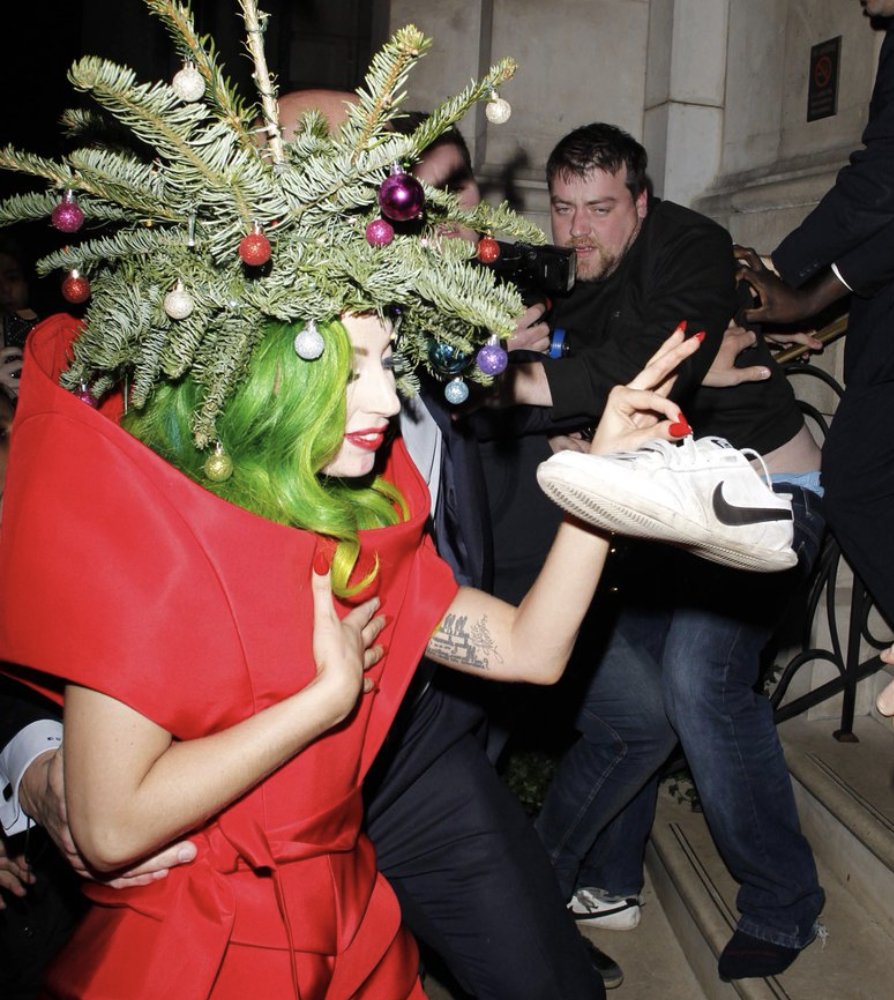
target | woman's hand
x=343, y=648
x=641, y=411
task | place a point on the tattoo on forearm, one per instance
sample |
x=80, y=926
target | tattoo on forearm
x=470, y=645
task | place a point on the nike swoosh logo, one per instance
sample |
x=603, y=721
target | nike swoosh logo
x=730, y=515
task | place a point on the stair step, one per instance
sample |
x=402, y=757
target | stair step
x=698, y=895
x=846, y=806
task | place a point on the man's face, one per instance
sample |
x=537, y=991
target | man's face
x=597, y=216
x=444, y=167
x=878, y=8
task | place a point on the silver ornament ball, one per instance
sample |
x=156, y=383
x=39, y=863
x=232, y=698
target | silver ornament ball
x=178, y=303
x=498, y=111
x=188, y=84
x=309, y=344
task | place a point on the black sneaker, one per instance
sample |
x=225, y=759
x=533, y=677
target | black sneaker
x=608, y=968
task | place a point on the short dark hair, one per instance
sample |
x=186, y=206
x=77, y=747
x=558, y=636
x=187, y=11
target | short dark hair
x=599, y=146
x=408, y=122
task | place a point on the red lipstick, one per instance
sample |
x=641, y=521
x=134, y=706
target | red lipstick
x=370, y=439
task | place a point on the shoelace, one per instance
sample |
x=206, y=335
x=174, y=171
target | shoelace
x=688, y=452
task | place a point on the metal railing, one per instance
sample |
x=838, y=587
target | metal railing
x=815, y=602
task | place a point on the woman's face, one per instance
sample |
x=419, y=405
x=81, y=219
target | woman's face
x=372, y=398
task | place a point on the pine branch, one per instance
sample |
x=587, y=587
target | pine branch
x=200, y=50
x=379, y=96
x=38, y=166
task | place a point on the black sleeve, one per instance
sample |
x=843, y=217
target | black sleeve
x=19, y=707
x=687, y=273
x=861, y=202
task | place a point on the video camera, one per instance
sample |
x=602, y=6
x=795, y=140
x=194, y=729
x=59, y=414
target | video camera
x=539, y=272
x=547, y=270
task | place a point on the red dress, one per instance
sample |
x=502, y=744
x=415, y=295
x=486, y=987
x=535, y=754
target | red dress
x=119, y=573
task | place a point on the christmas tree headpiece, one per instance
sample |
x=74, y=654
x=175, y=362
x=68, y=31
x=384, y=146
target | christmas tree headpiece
x=186, y=254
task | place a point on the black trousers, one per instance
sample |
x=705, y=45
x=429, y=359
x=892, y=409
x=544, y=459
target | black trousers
x=858, y=476
x=35, y=927
x=473, y=880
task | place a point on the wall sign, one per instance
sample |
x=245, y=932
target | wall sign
x=822, y=91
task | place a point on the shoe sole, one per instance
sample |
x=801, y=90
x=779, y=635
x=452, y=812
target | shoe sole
x=625, y=918
x=666, y=525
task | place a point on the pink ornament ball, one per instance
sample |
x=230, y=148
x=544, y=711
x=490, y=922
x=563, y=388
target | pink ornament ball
x=379, y=233
x=401, y=197
x=492, y=359
x=86, y=397
x=67, y=216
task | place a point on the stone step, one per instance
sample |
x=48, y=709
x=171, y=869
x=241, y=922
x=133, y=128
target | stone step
x=846, y=819
x=846, y=805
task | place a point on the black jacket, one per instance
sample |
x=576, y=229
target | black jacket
x=853, y=227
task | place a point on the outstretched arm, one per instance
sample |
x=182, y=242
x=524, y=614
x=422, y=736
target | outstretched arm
x=160, y=788
x=534, y=641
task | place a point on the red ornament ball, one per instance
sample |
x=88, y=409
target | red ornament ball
x=488, y=250
x=254, y=249
x=76, y=288
x=379, y=233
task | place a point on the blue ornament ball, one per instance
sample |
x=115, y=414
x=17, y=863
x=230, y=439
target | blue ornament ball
x=492, y=359
x=456, y=391
x=447, y=360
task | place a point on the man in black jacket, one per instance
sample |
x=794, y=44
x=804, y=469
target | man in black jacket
x=681, y=656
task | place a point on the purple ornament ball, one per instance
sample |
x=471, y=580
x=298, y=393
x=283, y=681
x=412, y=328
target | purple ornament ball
x=492, y=359
x=86, y=397
x=401, y=197
x=379, y=233
x=67, y=217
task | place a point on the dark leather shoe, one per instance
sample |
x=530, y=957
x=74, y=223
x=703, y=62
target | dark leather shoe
x=607, y=967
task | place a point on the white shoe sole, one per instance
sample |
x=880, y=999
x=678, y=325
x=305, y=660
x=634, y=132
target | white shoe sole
x=641, y=517
x=626, y=918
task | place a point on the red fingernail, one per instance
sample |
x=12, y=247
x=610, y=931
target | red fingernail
x=321, y=563
x=681, y=326
x=700, y=336
x=680, y=428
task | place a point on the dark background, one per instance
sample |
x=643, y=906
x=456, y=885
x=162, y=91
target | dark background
x=309, y=43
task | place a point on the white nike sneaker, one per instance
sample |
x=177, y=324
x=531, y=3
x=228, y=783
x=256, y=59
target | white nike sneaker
x=701, y=495
x=596, y=908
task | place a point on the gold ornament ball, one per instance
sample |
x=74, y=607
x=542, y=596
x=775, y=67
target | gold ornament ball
x=218, y=467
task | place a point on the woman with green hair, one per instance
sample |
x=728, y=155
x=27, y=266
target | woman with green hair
x=221, y=680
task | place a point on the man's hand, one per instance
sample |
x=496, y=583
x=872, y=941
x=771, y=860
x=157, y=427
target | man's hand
x=780, y=303
x=531, y=334
x=723, y=372
x=569, y=442
x=805, y=338
x=42, y=795
x=15, y=875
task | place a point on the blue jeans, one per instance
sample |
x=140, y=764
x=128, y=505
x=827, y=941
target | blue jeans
x=681, y=662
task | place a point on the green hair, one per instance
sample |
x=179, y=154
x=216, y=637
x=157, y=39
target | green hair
x=283, y=424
